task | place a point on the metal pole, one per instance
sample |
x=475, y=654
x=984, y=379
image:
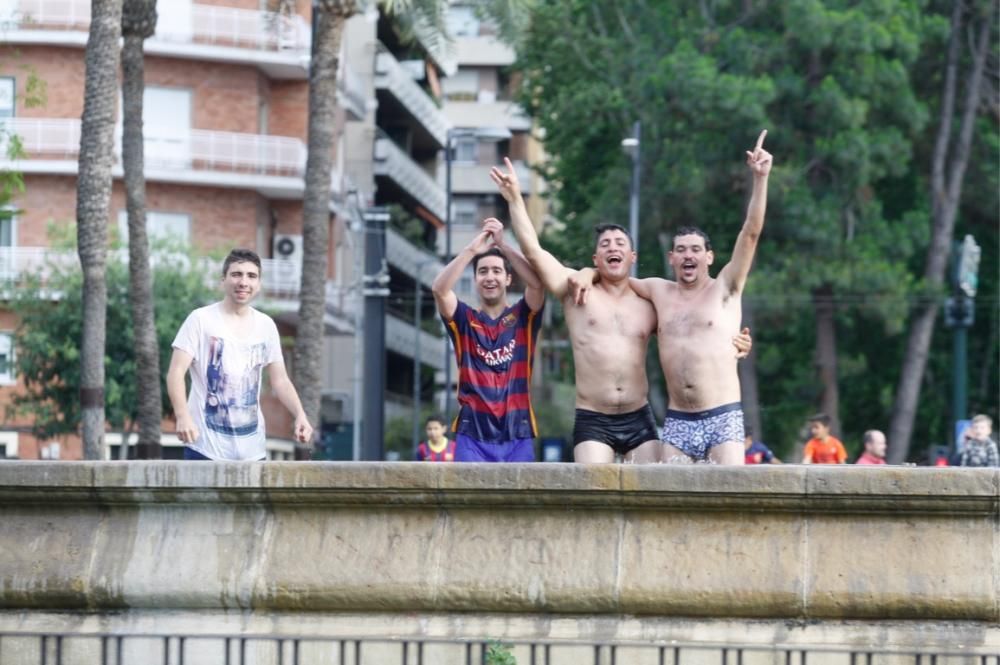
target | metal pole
x=447, y=258
x=418, y=320
x=359, y=319
x=633, y=216
x=377, y=278
x=959, y=361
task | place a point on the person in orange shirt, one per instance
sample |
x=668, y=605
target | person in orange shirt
x=823, y=448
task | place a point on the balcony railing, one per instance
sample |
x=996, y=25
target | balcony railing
x=281, y=278
x=59, y=138
x=392, y=162
x=401, y=337
x=354, y=95
x=411, y=259
x=389, y=75
x=209, y=24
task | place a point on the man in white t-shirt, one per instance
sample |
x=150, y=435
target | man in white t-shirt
x=227, y=345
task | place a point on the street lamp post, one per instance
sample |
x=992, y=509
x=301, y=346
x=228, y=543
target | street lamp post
x=486, y=135
x=632, y=148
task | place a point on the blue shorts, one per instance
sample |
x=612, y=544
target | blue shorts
x=694, y=434
x=468, y=449
x=192, y=454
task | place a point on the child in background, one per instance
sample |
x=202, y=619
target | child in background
x=437, y=447
x=823, y=448
x=980, y=449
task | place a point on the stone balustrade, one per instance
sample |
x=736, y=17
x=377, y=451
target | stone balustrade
x=828, y=555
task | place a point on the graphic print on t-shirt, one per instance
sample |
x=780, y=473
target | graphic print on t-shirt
x=231, y=396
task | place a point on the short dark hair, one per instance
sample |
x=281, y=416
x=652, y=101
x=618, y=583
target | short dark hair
x=435, y=418
x=820, y=418
x=492, y=251
x=240, y=256
x=691, y=231
x=604, y=227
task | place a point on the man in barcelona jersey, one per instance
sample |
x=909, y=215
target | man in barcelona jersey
x=494, y=345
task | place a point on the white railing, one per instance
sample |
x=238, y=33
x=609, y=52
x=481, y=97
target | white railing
x=199, y=150
x=282, y=279
x=18, y=262
x=46, y=14
x=279, y=282
x=218, y=26
x=389, y=74
x=392, y=162
x=48, y=137
x=354, y=94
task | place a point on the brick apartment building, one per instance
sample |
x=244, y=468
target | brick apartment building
x=225, y=128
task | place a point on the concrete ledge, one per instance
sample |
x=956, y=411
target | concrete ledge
x=778, y=543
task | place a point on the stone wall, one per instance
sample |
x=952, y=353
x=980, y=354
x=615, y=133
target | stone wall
x=814, y=555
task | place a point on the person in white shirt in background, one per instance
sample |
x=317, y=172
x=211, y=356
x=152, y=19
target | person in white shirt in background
x=226, y=346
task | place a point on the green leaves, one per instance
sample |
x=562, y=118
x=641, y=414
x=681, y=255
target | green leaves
x=47, y=354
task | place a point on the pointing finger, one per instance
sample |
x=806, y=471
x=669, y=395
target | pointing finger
x=510, y=166
x=760, y=140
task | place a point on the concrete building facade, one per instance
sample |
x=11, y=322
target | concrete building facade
x=225, y=124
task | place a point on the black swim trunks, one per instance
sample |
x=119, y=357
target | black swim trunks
x=621, y=431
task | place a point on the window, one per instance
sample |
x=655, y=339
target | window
x=462, y=86
x=8, y=241
x=462, y=22
x=464, y=212
x=161, y=227
x=8, y=374
x=466, y=150
x=8, y=96
x=8, y=445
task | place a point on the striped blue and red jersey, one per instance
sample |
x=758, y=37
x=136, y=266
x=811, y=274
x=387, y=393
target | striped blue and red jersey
x=494, y=371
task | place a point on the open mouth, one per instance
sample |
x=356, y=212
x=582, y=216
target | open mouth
x=614, y=260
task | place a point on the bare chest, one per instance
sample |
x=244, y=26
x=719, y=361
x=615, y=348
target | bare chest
x=605, y=318
x=681, y=315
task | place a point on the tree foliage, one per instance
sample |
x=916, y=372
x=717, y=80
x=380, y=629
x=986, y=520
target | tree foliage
x=838, y=85
x=47, y=339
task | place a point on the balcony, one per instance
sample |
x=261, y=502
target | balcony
x=409, y=258
x=392, y=80
x=277, y=44
x=352, y=94
x=393, y=163
x=281, y=278
x=401, y=337
x=475, y=178
x=272, y=165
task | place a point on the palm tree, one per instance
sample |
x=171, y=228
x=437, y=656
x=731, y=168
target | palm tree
x=93, y=194
x=139, y=23
x=427, y=16
x=329, y=26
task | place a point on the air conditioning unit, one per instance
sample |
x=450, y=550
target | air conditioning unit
x=287, y=252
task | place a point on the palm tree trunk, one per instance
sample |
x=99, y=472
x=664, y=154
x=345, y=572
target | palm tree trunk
x=826, y=356
x=946, y=190
x=139, y=22
x=328, y=28
x=93, y=195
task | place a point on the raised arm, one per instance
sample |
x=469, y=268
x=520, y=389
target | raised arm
x=443, y=286
x=552, y=273
x=734, y=275
x=534, y=292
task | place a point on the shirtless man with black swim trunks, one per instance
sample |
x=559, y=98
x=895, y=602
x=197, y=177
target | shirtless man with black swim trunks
x=609, y=335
